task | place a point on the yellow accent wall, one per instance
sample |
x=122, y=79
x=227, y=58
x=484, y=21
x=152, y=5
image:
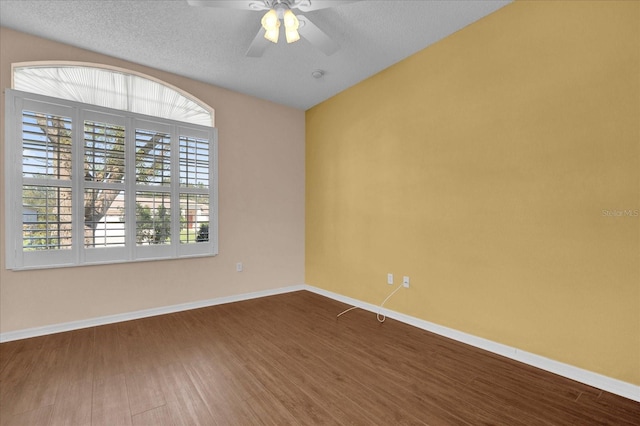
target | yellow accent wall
x=500, y=170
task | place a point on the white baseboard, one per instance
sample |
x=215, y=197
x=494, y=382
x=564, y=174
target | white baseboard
x=127, y=316
x=590, y=378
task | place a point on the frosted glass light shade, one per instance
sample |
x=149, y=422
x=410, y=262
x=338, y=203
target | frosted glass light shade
x=270, y=20
x=290, y=20
x=291, y=25
x=271, y=25
x=292, y=35
x=272, y=35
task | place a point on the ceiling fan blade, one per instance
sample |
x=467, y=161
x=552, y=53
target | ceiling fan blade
x=231, y=4
x=311, y=5
x=316, y=36
x=258, y=45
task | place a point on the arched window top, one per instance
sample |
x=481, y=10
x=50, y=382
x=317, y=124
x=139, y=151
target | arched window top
x=111, y=87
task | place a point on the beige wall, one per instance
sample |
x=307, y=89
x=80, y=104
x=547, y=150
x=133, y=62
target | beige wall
x=261, y=198
x=481, y=167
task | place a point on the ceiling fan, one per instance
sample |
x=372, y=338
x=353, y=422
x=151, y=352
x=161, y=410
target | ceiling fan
x=295, y=26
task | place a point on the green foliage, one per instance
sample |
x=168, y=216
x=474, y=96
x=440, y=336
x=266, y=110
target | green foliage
x=203, y=232
x=162, y=225
x=153, y=226
x=47, y=218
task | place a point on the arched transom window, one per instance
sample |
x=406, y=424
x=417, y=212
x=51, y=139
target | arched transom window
x=111, y=87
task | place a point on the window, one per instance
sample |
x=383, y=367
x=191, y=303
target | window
x=110, y=87
x=87, y=184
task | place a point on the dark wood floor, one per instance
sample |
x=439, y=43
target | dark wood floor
x=282, y=360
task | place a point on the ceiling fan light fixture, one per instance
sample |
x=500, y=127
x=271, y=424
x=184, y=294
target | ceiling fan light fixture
x=291, y=25
x=290, y=20
x=272, y=35
x=292, y=36
x=271, y=25
x=270, y=20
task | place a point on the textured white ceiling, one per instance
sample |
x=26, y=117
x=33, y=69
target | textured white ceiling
x=209, y=44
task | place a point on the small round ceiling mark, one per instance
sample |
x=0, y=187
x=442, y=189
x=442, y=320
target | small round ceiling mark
x=317, y=74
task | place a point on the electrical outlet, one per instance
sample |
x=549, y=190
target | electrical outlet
x=389, y=279
x=405, y=281
x=239, y=267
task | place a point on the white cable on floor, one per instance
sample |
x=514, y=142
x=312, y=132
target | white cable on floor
x=381, y=317
x=345, y=311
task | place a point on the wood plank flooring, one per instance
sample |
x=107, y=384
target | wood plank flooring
x=282, y=360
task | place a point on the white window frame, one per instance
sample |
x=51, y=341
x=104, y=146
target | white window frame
x=18, y=259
